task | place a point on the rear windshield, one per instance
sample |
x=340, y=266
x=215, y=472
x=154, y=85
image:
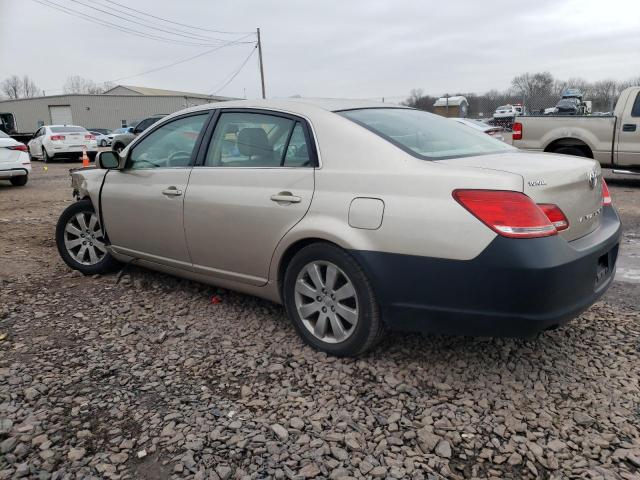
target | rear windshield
x=67, y=129
x=504, y=107
x=425, y=135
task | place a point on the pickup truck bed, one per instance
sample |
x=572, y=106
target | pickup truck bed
x=614, y=141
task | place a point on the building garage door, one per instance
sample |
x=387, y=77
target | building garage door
x=60, y=115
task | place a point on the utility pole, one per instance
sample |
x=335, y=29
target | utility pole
x=261, y=67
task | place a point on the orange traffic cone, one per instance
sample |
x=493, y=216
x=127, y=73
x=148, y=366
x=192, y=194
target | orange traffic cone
x=85, y=158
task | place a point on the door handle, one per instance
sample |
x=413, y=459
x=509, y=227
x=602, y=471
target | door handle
x=287, y=197
x=172, y=192
x=629, y=127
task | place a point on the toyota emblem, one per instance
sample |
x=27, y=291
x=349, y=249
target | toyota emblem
x=593, y=179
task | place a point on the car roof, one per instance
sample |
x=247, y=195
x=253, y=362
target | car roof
x=78, y=126
x=299, y=105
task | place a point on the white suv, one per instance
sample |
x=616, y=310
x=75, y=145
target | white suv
x=14, y=161
x=53, y=141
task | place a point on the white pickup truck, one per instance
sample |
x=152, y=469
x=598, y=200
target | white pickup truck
x=612, y=140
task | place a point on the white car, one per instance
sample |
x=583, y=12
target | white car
x=492, y=131
x=102, y=140
x=51, y=141
x=505, y=112
x=14, y=161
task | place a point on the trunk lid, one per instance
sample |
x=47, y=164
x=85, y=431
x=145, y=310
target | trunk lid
x=562, y=180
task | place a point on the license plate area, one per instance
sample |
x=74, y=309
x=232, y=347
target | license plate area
x=605, y=265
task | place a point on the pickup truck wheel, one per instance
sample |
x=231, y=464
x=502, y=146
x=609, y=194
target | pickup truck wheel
x=80, y=240
x=330, y=301
x=20, y=181
x=570, y=151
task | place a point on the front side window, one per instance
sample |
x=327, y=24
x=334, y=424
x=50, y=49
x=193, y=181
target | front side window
x=425, y=135
x=171, y=145
x=257, y=140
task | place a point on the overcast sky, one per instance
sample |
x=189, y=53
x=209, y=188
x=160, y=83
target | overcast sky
x=328, y=48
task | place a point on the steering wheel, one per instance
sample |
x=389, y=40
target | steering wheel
x=179, y=155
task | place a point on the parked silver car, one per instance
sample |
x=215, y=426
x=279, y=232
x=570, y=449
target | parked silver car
x=356, y=216
x=120, y=140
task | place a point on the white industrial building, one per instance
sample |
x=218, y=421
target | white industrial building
x=118, y=107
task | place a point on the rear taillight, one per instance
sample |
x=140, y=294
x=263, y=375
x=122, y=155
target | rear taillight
x=89, y=137
x=22, y=147
x=555, y=216
x=510, y=214
x=606, y=196
x=517, y=131
x=57, y=137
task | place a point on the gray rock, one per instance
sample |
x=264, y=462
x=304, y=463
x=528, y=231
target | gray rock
x=76, y=454
x=444, y=449
x=224, y=472
x=280, y=431
x=8, y=444
x=583, y=419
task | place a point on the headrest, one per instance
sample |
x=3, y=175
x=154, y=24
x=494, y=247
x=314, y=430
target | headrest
x=253, y=141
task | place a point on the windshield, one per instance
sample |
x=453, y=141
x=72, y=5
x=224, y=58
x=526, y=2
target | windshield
x=66, y=129
x=425, y=135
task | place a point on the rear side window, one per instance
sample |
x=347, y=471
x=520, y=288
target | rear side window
x=171, y=145
x=425, y=135
x=635, y=111
x=67, y=129
x=247, y=139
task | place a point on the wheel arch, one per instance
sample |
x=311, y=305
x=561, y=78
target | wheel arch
x=570, y=142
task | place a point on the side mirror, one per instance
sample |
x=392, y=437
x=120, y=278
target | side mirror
x=108, y=160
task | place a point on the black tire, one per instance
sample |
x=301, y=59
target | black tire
x=20, y=181
x=103, y=143
x=369, y=327
x=45, y=157
x=105, y=265
x=118, y=147
x=575, y=151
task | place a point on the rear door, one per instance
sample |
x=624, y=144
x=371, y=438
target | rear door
x=628, y=151
x=142, y=205
x=254, y=183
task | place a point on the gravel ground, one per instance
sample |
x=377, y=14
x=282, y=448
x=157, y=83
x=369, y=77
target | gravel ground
x=148, y=379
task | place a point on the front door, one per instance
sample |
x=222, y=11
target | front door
x=142, y=205
x=255, y=184
x=629, y=134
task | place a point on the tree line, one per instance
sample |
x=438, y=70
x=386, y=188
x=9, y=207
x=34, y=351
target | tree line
x=536, y=91
x=14, y=87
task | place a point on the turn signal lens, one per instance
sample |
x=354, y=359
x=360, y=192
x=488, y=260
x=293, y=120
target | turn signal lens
x=555, y=216
x=606, y=196
x=510, y=214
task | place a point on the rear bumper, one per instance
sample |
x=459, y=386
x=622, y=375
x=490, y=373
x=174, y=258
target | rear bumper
x=14, y=172
x=515, y=287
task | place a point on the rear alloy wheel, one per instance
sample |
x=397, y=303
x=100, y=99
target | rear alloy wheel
x=20, y=181
x=330, y=301
x=45, y=157
x=80, y=240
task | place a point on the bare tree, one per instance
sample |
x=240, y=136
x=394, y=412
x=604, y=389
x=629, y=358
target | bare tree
x=78, y=84
x=12, y=87
x=536, y=89
x=29, y=87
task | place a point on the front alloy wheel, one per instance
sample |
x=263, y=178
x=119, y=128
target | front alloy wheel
x=80, y=240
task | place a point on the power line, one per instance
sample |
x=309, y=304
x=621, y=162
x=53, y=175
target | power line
x=171, y=21
x=141, y=17
x=190, y=36
x=235, y=74
x=121, y=28
x=177, y=62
